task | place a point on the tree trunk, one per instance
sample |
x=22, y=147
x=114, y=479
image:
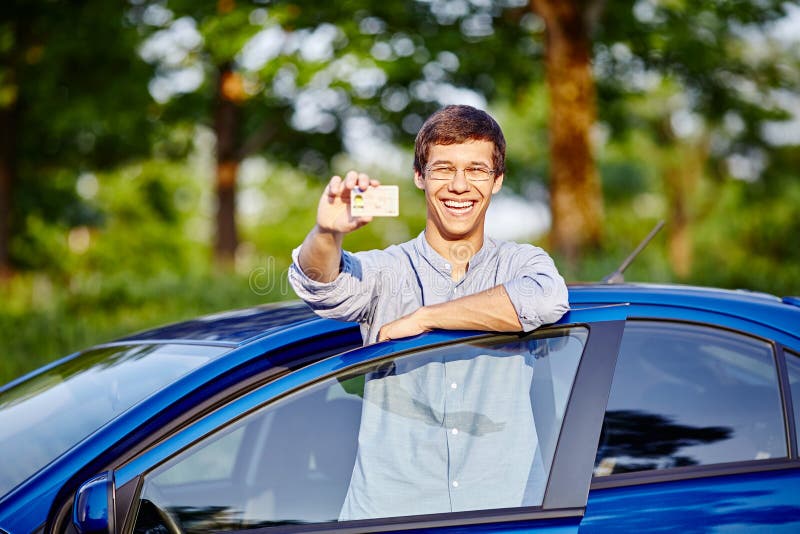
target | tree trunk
x=226, y=124
x=683, y=171
x=8, y=171
x=575, y=194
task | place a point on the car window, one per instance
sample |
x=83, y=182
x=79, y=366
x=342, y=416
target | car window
x=462, y=427
x=39, y=414
x=793, y=366
x=686, y=395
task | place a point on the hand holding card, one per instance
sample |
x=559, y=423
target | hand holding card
x=381, y=201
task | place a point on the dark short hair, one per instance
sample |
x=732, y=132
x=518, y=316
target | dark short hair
x=459, y=124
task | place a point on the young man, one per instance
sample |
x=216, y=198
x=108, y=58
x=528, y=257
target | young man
x=451, y=276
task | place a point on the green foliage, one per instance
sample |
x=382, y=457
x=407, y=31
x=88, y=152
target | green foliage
x=147, y=262
x=718, y=59
x=113, y=206
x=392, y=62
x=749, y=241
x=45, y=318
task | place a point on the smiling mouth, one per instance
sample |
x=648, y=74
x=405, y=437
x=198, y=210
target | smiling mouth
x=458, y=207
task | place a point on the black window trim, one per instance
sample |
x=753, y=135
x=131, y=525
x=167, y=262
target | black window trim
x=786, y=395
x=726, y=468
x=674, y=474
x=573, y=462
x=448, y=519
x=583, y=425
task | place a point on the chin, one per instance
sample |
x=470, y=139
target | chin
x=455, y=232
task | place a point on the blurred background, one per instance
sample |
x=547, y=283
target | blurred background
x=161, y=159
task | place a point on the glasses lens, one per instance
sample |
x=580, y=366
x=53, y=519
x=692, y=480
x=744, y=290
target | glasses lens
x=477, y=174
x=441, y=173
x=473, y=174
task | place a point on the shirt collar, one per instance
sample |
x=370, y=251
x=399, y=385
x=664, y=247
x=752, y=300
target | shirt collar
x=440, y=264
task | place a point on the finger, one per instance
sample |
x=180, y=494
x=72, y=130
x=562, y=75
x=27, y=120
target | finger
x=350, y=179
x=363, y=181
x=335, y=186
x=374, y=183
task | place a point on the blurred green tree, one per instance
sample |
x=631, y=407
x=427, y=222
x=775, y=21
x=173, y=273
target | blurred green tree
x=72, y=97
x=304, y=80
x=575, y=197
x=704, y=50
x=704, y=80
x=323, y=68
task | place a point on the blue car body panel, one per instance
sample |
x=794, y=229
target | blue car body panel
x=757, y=308
x=267, y=337
x=754, y=502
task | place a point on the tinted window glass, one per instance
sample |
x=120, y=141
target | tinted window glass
x=463, y=427
x=793, y=365
x=687, y=395
x=38, y=422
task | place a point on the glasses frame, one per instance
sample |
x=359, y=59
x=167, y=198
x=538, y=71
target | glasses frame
x=492, y=173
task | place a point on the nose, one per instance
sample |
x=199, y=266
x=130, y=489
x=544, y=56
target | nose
x=459, y=183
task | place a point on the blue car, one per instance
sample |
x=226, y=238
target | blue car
x=655, y=408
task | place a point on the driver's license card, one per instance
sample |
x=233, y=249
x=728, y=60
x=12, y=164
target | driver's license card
x=381, y=201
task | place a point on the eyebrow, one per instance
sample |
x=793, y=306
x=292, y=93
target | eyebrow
x=448, y=162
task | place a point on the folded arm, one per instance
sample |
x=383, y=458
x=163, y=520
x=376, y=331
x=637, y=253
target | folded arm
x=489, y=310
x=536, y=295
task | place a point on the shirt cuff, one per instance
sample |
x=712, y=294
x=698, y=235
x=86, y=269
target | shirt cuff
x=312, y=290
x=536, y=304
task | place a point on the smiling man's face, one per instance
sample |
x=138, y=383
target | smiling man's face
x=457, y=207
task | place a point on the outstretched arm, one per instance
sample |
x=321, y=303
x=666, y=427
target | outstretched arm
x=489, y=310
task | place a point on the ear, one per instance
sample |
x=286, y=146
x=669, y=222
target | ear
x=419, y=181
x=498, y=183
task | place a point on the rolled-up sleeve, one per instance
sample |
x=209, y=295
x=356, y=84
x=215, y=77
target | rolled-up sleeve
x=536, y=289
x=346, y=298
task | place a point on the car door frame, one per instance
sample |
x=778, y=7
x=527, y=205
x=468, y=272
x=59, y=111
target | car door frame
x=567, y=488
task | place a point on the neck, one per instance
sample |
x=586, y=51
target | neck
x=458, y=252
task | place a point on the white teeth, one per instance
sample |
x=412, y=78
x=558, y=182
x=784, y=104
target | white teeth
x=457, y=204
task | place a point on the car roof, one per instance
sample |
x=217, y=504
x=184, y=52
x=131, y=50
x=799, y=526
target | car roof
x=783, y=314
x=237, y=327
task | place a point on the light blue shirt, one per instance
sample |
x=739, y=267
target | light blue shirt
x=451, y=429
x=376, y=287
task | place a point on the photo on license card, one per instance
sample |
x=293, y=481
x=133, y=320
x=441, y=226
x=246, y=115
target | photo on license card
x=381, y=201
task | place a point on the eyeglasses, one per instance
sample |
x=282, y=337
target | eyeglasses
x=446, y=172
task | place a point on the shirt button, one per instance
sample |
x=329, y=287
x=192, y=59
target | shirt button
x=454, y=431
x=446, y=265
x=455, y=483
x=453, y=385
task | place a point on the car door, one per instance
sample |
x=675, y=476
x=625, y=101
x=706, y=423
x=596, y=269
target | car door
x=700, y=430
x=335, y=445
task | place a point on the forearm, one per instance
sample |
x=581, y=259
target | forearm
x=321, y=255
x=489, y=310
